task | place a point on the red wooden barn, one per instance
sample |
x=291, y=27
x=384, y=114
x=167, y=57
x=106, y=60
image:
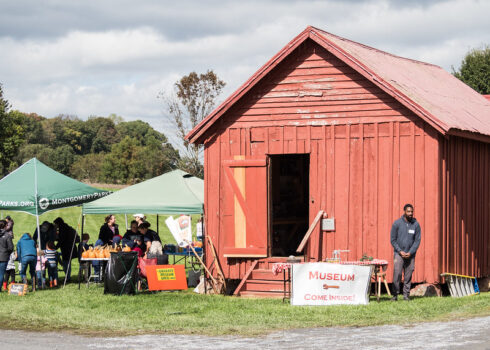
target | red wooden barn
x=330, y=124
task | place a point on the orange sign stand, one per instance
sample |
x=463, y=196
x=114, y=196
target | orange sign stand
x=166, y=277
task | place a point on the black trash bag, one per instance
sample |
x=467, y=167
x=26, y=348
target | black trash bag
x=121, y=273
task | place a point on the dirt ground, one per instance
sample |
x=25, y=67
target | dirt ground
x=467, y=334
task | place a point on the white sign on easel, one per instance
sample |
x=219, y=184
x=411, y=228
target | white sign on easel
x=329, y=284
x=180, y=228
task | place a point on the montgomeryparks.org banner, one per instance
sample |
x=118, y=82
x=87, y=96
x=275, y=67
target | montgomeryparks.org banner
x=46, y=203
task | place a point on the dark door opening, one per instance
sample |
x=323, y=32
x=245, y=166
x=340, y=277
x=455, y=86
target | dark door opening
x=289, y=207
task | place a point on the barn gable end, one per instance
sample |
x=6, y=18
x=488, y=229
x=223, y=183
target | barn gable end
x=313, y=87
x=362, y=145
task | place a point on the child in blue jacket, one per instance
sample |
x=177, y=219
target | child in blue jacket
x=27, y=255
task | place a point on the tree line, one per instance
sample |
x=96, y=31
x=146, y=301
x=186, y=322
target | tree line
x=99, y=149
x=109, y=149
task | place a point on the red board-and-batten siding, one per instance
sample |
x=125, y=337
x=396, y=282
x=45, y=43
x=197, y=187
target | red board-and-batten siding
x=465, y=241
x=368, y=157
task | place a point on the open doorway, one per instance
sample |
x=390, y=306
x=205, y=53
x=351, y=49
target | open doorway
x=289, y=192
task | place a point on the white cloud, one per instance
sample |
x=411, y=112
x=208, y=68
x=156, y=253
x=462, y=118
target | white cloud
x=88, y=58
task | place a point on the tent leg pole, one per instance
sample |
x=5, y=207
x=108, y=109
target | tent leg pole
x=79, y=263
x=158, y=231
x=126, y=220
x=38, y=232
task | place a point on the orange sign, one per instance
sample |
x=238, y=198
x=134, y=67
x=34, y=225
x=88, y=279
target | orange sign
x=166, y=277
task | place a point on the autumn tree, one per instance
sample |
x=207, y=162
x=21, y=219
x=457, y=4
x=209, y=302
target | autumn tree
x=193, y=98
x=475, y=70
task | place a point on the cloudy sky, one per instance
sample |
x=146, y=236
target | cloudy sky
x=96, y=57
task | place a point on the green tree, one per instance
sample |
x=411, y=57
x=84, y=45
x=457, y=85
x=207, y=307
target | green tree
x=124, y=163
x=158, y=158
x=28, y=151
x=62, y=159
x=475, y=70
x=4, y=104
x=99, y=134
x=140, y=131
x=193, y=98
x=88, y=167
x=11, y=135
x=34, y=132
x=59, y=158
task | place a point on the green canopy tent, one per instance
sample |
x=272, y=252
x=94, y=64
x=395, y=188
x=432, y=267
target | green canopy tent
x=175, y=192
x=35, y=188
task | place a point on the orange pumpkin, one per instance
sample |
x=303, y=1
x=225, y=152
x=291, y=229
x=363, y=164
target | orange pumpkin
x=91, y=254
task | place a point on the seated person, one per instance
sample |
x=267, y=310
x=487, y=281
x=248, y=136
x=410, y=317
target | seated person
x=83, y=245
x=116, y=240
x=149, y=236
x=98, y=264
x=130, y=235
x=139, y=246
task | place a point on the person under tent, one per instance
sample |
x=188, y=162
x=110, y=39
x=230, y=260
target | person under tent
x=108, y=230
x=149, y=235
x=129, y=238
x=48, y=233
x=67, y=237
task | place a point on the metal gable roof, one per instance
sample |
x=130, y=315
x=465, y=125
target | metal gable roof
x=442, y=98
x=433, y=94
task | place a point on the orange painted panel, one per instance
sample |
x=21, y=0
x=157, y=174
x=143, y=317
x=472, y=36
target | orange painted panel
x=247, y=191
x=166, y=277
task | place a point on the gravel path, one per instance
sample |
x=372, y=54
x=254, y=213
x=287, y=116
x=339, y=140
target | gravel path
x=468, y=334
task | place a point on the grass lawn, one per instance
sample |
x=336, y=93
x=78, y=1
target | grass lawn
x=88, y=311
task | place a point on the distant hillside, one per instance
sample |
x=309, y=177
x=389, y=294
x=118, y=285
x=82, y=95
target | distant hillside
x=96, y=150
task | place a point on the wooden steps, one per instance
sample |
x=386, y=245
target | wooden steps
x=257, y=294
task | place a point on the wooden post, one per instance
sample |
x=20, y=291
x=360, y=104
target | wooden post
x=309, y=232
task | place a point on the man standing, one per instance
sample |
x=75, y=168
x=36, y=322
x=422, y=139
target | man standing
x=67, y=237
x=405, y=239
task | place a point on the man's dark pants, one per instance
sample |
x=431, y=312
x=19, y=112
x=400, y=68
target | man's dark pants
x=407, y=266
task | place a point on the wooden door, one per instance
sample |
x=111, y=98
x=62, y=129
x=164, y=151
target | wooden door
x=245, y=229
